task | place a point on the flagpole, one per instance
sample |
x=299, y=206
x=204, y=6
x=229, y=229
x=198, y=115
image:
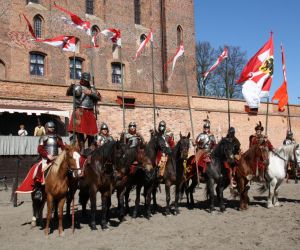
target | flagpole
x=153, y=85
x=122, y=83
x=74, y=115
x=289, y=118
x=267, y=116
x=227, y=93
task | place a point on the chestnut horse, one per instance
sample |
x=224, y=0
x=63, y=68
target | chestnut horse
x=57, y=183
x=245, y=170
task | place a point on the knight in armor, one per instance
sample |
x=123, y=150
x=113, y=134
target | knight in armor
x=48, y=147
x=289, y=138
x=206, y=140
x=86, y=98
x=132, y=137
x=103, y=136
x=236, y=151
x=258, y=137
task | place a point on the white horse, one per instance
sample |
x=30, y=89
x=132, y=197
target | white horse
x=277, y=170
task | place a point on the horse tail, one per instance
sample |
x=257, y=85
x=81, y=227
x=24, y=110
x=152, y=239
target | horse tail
x=263, y=188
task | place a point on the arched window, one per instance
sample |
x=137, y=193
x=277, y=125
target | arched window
x=2, y=70
x=37, y=64
x=137, y=11
x=75, y=72
x=143, y=38
x=116, y=72
x=89, y=6
x=179, y=35
x=38, y=26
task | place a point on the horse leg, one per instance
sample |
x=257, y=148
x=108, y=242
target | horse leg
x=177, y=194
x=168, y=197
x=220, y=189
x=272, y=185
x=34, y=210
x=211, y=194
x=275, y=201
x=49, y=212
x=61, y=204
x=154, y=198
x=137, y=201
x=121, y=194
x=147, y=194
x=104, y=197
x=83, y=199
x=126, y=196
x=93, y=193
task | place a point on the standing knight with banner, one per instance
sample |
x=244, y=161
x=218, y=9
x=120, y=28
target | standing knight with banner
x=86, y=98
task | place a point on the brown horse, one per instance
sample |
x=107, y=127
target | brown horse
x=57, y=184
x=245, y=171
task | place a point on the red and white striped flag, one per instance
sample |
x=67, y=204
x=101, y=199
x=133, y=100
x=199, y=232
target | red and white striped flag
x=30, y=27
x=144, y=43
x=179, y=53
x=66, y=43
x=281, y=94
x=220, y=59
x=75, y=20
x=114, y=35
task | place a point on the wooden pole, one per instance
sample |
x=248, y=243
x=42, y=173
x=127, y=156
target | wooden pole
x=289, y=118
x=227, y=93
x=153, y=86
x=74, y=115
x=122, y=83
x=267, y=116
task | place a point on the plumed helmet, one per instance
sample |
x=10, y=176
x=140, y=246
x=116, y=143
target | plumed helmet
x=86, y=76
x=231, y=130
x=50, y=124
x=104, y=126
x=259, y=127
x=289, y=133
x=206, y=123
x=162, y=126
x=131, y=124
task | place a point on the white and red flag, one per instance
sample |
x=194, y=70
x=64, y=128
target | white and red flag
x=179, y=53
x=114, y=35
x=66, y=43
x=75, y=20
x=220, y=59
x=281, y=94
x=30, y=28
x=144, y=43
x=258, y=74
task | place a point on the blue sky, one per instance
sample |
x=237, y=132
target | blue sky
x=248, y=24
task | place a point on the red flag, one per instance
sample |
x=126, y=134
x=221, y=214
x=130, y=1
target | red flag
x=75, y=20
x=220, y=59
x=114, y=35
x=66, y=43
x=281, y=94
x=30, y=27
x=179, y=52
x=258, y=74
x=144, y=43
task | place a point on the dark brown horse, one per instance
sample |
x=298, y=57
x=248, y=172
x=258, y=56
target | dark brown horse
x=245, y=170
x=57, y=184
x=174, y=171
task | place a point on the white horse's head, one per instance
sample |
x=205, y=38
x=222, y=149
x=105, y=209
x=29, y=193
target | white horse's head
x=297, y=154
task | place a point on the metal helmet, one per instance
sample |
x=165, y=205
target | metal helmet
x=132, y=124
x=50, y=124
x=231, y=130
x=86, y=76
x=289, y=134
x=104, y=126
x=206, y=123
x=162, y=126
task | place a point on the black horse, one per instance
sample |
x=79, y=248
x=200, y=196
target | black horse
x=174, y=172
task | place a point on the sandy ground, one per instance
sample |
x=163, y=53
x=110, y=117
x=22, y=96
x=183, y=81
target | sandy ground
x=257, y=228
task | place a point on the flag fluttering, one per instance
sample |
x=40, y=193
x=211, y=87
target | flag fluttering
x=144, y=43
x=30, y=27
x=219, y=60
x=75, y=20
x=66, y=43
x=114, y=35
x=179, y=53
x=281, y=94
x=257, y=75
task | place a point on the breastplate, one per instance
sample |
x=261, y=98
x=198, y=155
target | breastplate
x=51, y=145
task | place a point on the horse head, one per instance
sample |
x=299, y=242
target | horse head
x=262, y=151
x=72, y=156
x=227, y=148
x=184, y=145
x=297, y=155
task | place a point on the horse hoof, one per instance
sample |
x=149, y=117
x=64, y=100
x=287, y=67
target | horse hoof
x=222, y=209
x=270, y=205
x=93, y=227
x=33, y=224
x=212, y=210
x=62, y=234
x=134, y=214
x=176, y=212
x=277, y=204
x=104, y=227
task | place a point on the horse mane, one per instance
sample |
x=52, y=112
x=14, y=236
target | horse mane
x=285, y=150
x=217, y=152
x=58, y=161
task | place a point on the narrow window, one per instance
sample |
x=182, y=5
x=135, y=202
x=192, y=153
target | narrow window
x=179, y=35
x=37, y=25
x=37, y=64
x=116, y=74
x=89, y=6
x=137, y=11
x=75, y=73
